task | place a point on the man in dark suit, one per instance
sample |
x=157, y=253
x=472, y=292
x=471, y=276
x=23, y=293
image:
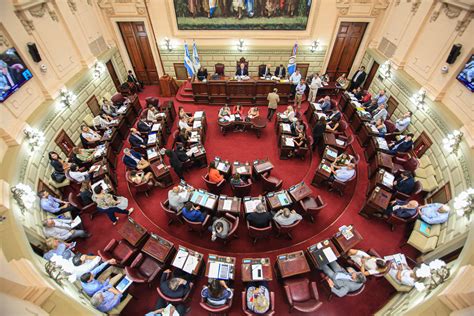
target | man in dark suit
x=136, y=140
x=260, y=218
x=134, y=160
x=242, y=71
x=358, y=78
x=280, y=71
x=405, y=183
x=265, y=72
x=402, y=146
x=202, y=73
x=173, y=287
x=143, y=126
x=335, y=115
x=318, y=131
x=175, y=163
x=132, y=79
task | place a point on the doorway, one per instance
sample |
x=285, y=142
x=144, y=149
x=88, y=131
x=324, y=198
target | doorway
x=113, y=74
x=138, y=47
x=345, y=48
x=371, y=75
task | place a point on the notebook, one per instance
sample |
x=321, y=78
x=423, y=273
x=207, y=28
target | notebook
x=124, y=284
x=227, y=205
x=257, y=272
x=218, y=270
x=425, y=228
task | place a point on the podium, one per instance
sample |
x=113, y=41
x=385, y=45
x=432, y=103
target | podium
x=168, y=86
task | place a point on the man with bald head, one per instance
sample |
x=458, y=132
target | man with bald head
x=177, y=197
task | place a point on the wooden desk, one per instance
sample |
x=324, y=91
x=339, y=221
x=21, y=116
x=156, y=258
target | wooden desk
x=381, y=161
x=375, y=144
x=383, y=179
x=291, y=264
x=262, y=166
x=162, y=173
x=224, y=166
x=299, y=191
x=132, y=232
x=350, y=111
x=344, y=101
x=238, y=167
x=330, y=154
x=322, y=173
x=221, y=259
x=256, y=124
x=331, y=140
x=329, y=88
x=158, y=248
x=377, y=202
x=278, y=200
x=366, y=132
x=343, y=244
x=327, y=243
x=199, y=156
x=286, y=146
x=204, y=199
x=247, y=264
x=235, y=206
x=357, y=121
x=251, y=202
x=283, y=129
x=186, y=252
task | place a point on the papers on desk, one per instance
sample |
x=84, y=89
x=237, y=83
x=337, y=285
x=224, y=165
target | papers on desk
x=330, y=255
x=331, y=153
x=398, y=258
x=151, y=139
x=227, y=205
x=286, y=127
x=382, y=143
x=76, y=222
x=122, y=110
x=210, y=202
x=241, y=170
x=221, y=166
x=353, y=98
x=388, y=179
x=340, y=142
x=317, y=106
x=94, y=168
x=185, y=261
x=156, y=127
x=218, y=270
x=257, y=272
x=151, y=153
x=320, y=115
x=373, y=129
x=99, y=151
x=198, y=114
x=289, y=142
x=283, y=199
x=161, y=114
x=326, y=168
x=197, y=124
x=191, y=264
x=192, y=151
x=283, y=116
x=102, y=183
x=356, y=104
x=251, y=205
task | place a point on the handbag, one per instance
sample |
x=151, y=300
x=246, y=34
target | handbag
x=58, y=177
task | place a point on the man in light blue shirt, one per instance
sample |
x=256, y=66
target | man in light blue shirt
x=434, y=213
x=295, y=79
x=55, y=206
x=381, y=97
x=91, y=284
x=402, y=123
x=380, y=114
x=106, y=300
x=344, y=173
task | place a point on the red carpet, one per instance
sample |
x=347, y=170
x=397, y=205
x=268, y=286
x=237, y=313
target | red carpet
x=247, y=147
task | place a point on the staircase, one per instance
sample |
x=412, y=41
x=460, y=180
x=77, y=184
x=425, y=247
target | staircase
x=185, y=93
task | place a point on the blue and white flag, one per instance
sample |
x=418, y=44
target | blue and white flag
x=292, y=61
x=187, y=61
x=212, y=7
x=196, y=61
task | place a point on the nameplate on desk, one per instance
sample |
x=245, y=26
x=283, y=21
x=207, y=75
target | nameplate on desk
x=156, y=127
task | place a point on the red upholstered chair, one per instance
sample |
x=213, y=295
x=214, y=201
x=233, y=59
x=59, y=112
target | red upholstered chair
x=325, y=283
x=233, y=231
x=242, y=190
x=172, y=215
x=174, y=300
x=348, y=140
x=142, y=187
x=392, y=131
x=286, y=229
x=341, y=129
x=258, y=233
x=270, y=183
x=214, y=187
x=121, y=251
x=405, y=197
x=312, y=205
x=395, y=221
x=248, y=312
x=339, y=186
x=302, y=151
x=220, y=69
x=75, y=200
x=356, y=159
x=197, y=226
x=374, y=253
x=72, y=183
x=302, y=295
x=144, y=269
x=409, y=163
x=219, y=310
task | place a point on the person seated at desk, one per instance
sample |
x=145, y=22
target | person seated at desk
x=342, y=173
x=434, y=213
x=332, y=124
x=135, y=139
x=164, y=308
x=173, y=287
x=318, y=131
x=403, y=274
x=242, y=71
x=285, y=217
x=57, y=163
x=335, y=115
x=366, y=97
x=110, y=204
x=202, y=74
x=237, y=180
x=379, y=98
x=342, y=160
x=61, y=229
x=182, y=138
x=152, y=113
x=181, y=153
x=237, y=110
x=402, y=123
x=380, y=113
x=258, y=297
x=56, y=206
x=182, y=114
x=139, y=177
x=177, y=197
x=342, y=81
x=183, y=124
x=220, y=228
x=371, y=106
x=83, y=156
x=134, y=160
x=253, y=112
x=58, y=248
x=89, y=137
x=143, y=126
x=106, y=299
x=404, y=183
x=402, y=209
x=193, y=213
x=216, y=293
x=260, y=218
x=280, y=71
x=109, y=108
x=265, y=72
x=224, y=111
x=297, y=127
x=290, y=114
x=103, y=121
x=91, y=282
x=358, y=93
x=381, y=128
x=78, y=175
x=214, y=174
x=325, y=103
x=369, y=265
x=343, y=281
x=300, y=142
x=402, y=146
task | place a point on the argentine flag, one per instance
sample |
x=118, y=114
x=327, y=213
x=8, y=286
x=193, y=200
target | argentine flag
x=196, y=61
x=188, y=64
x=292, y=61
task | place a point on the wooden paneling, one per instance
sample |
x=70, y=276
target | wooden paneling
x=421, y=145
x=371, y=75
x=93, y=105
x=303, y=68
x=443, y=195
x=113, y=73
x=345, y=48
x=392, y=105
x=64, y=142
x=180, y=71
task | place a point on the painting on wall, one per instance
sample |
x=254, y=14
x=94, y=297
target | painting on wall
x=242, y=14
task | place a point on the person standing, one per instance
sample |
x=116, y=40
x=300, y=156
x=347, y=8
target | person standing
x=314, y=85
x=300, y=88
x=132, y=79
x=175, y=163
x=295, y=79
x=358, y=78
x=318, y=131
x=273, y=98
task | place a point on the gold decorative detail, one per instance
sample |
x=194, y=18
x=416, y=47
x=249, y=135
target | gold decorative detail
x=451, y=11
x=28, y=25
x=397, y=3
x=72, y=5
x=38, y=11
x=415, y=5
x=435, y=15
x=462, y=25
x=4, y=41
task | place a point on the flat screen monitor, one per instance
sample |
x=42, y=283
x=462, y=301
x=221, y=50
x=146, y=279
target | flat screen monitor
x=13, y=73
x=466, y=76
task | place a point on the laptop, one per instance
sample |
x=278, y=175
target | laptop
x=124, y=284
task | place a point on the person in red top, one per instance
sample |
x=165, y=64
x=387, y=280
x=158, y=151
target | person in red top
x=237, y=110
x=214, y=174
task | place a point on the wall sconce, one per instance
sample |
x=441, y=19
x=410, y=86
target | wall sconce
x=35, y=138
x=24, y=196
x=55, y=272
x=464, y=203
x=66, y=97
x=98, y=69
x=419, y=99
x=314, y=46
x=167, y=44
x=386, y=69
x=432, y=275
x=240, y=45
x=452, y=141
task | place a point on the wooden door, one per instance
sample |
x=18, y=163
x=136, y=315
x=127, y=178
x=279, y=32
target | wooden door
x=392, y=105
x=180, y=71
x=421, y=144
x=138, y=47
x=371, y=75
x=113, y=74
x=345, y=48
x=303, y=68
x=93, y=105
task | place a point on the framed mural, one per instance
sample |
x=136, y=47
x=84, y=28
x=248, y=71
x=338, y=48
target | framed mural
x=288, y=15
